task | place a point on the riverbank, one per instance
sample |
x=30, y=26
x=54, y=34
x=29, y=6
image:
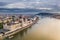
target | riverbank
x=46, y=29
x=12, y=32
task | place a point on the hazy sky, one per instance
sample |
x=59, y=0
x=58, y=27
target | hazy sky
x=29, y=3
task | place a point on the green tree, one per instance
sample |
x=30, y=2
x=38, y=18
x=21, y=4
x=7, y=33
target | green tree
x=1, y=25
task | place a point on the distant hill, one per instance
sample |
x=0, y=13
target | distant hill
x=18, y=10
x=55, y=15
x=45, y=14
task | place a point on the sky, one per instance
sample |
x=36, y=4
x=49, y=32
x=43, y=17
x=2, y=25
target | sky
x=39, y=4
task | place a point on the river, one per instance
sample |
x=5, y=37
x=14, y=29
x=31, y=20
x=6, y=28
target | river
x=46, y=28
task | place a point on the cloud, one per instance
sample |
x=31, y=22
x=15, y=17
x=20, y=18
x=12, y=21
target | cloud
x=16, y=5
x=45, y=8
x=36, y=5
x=23, y=5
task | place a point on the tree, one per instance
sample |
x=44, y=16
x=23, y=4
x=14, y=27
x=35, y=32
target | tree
x=1, y=25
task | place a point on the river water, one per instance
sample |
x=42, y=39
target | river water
x=46, y=28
